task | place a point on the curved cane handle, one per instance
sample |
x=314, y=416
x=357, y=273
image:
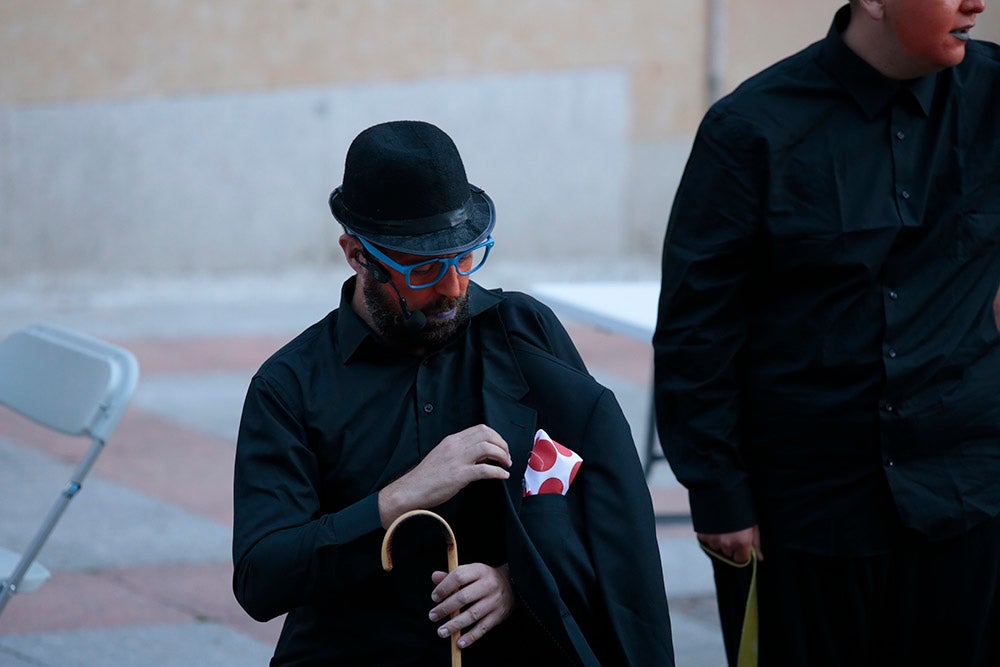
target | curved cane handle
x=456, y=654
x=449, y=538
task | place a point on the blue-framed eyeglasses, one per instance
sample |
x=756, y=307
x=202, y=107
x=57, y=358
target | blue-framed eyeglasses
x=430, y=272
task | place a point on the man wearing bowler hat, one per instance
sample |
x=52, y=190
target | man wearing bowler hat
x=425, y=391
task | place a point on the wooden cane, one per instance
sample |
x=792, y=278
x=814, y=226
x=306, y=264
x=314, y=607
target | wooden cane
x=456, y=654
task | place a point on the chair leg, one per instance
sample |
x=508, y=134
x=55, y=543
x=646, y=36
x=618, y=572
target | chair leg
x=55, y=513
x=6, y=592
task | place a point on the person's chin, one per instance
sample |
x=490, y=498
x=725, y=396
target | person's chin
x=954, y=54
x=955, y=57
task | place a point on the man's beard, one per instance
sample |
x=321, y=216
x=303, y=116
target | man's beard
x=387, y=317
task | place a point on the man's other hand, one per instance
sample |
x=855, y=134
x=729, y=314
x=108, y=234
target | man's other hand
x=734, y=546
x=476, y=453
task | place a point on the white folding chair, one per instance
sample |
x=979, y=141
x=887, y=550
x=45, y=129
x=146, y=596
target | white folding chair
x=69, y=382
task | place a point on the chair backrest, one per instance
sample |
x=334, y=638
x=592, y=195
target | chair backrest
x=66, y=380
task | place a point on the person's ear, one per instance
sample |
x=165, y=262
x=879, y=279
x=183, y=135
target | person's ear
x=875, y=9
x=352, y=252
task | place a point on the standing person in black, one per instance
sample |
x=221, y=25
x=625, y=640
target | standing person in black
x=827, y=354
x=426, y=391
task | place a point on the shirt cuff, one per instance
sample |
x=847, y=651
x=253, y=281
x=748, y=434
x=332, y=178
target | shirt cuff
x=352, y=522
x=717, y=510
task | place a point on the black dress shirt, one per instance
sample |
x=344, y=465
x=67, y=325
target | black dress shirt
x=827, y=360
x=329, y=420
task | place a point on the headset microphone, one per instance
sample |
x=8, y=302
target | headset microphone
x=413, y=320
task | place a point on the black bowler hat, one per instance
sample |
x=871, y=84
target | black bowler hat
x=405, y=189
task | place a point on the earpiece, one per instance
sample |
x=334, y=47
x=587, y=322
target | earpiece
x=378, y=273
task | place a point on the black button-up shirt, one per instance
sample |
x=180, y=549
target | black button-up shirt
x=329, y=420
x=827, y=359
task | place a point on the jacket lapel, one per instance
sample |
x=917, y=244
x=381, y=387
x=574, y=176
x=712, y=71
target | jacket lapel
x=503, y=389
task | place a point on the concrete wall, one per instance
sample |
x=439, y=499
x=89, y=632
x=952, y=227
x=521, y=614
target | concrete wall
x=240, y=180
x=163, y=137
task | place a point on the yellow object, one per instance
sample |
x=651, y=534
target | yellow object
x=747, y=656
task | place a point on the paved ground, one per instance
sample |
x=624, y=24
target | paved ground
x=141, y=561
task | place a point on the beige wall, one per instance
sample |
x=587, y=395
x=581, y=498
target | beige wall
x=59, y=51
x=70, y=51
x=616, y=90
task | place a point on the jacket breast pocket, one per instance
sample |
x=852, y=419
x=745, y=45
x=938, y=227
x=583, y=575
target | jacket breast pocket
x=549, y=522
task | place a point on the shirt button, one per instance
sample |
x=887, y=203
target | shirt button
x=889, y=462
x=905, y=194
x=888, y=407
x=428, y=408
x=891, y=352
x=900, y=135
x=893, y=294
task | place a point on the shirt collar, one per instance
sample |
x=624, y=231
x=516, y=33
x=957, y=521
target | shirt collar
x=871, y=89
x=352, y=331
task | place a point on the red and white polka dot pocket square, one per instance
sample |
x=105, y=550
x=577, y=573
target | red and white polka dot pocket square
x=551, y=467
